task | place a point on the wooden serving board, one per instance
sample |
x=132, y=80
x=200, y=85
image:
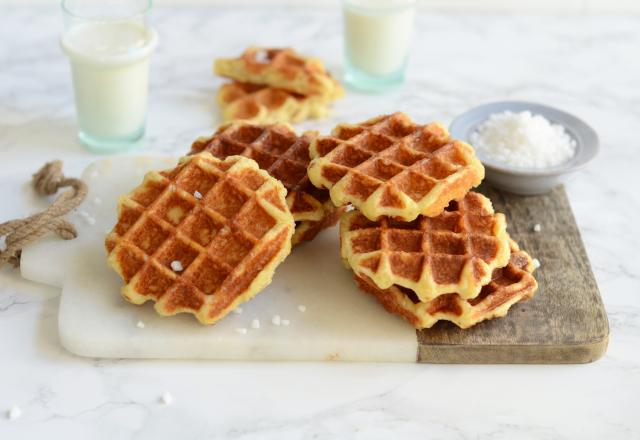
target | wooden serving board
x=564, y=323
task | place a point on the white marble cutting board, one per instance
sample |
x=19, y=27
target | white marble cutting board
x=339, y=323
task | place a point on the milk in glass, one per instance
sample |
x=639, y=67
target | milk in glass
x=110, y=65
x=377, y=34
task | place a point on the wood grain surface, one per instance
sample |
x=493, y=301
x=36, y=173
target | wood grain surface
x=565, y=322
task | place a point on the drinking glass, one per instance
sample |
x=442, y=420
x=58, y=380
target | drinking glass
x=109, y=43
x=377, y=34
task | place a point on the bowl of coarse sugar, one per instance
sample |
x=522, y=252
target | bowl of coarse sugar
x=526, y=148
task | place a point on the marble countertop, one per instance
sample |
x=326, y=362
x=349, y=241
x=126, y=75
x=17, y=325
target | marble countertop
x=588, y=66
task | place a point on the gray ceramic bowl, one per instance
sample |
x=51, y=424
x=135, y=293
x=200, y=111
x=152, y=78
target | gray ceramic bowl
x=529, y=181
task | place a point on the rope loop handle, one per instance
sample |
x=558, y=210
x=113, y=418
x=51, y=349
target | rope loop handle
x=19, y=233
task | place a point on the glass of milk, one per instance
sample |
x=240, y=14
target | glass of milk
x=377, y=34
x=109, y=43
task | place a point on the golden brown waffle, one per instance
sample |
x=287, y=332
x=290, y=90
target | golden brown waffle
x=267, y=105
x=280, y=68
x=455, y=252
x=285, y=156
x=307, y=230
x=201, y=238
x=509, y=285
x=390, y=166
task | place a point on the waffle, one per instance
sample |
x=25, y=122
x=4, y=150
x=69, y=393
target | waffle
x=389, y=166
x=509, y=285
x=280, y=68
x=307, y=230
x=201, y=238
x=267, y=105
x=285, y=155
x=455, y=252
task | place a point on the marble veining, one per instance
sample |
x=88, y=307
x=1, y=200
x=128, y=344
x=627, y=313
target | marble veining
x=585, y=65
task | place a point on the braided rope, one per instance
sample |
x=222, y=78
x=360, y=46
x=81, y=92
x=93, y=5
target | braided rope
x=19, y=233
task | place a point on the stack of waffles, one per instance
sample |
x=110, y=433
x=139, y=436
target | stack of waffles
x=207, y=235
x=419, y=240
x=275, y=85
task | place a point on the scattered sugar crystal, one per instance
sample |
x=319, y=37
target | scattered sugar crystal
x=536, y=263
x=166, y=398
x=302, y=308
x=537, y=227
x=242, y=331
x=523, y=140
x=97, y=200
x=14, y=413
x=237, y=310
x=197, y=195
x=255, y=323
x=286, y=322
x=262, y=56
x=140, y=324
x=176, y=266
x=275, y=320
x=87, y=218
